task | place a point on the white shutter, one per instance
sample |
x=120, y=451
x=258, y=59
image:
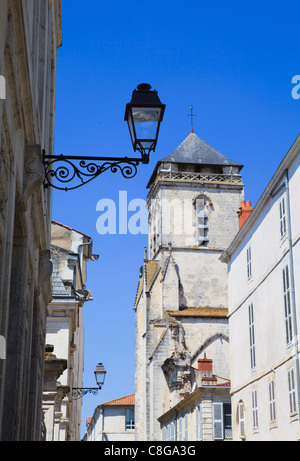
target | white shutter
x=180, y=428
x=218, y=421
x=242, y=419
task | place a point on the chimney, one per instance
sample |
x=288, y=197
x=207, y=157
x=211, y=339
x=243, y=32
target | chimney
x=244, y=212
x=205, y=364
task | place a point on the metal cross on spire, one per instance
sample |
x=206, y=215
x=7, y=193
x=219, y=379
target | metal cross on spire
x=191, y=115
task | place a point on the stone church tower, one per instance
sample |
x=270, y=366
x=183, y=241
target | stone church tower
x=181, y=303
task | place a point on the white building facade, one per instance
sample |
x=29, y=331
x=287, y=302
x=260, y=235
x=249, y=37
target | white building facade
x=264, y=309
x=112, y=421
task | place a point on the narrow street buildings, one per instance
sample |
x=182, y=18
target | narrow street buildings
x=30, y=33
x=181, y=304
x=71, y=250
x=264, y=309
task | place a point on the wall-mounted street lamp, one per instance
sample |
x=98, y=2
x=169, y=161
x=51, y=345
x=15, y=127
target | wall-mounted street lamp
x=143, y=114
x=79, y=392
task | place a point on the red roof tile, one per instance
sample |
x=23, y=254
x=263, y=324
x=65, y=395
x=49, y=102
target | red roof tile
x=127, y=400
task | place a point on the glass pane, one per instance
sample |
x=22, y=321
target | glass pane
x=146, y=123
x=131, y=127
x=146, y=114
x=146, y=130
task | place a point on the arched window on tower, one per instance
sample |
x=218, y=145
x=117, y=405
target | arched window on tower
x=202, y=220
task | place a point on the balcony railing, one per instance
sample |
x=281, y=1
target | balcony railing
x=200, y=177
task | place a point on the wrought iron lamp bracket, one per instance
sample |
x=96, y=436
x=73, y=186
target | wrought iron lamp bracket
x=79, y=392
x=72, y=172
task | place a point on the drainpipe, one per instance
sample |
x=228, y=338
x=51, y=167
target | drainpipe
x=293, y=286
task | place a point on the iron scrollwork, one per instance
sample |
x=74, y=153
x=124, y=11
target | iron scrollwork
x=67, y=170
x=78, y=393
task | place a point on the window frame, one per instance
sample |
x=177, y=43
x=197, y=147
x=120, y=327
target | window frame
x=180, y=433
x=272, y=401
x=282, y=217
x=288, y=315
x=199, y=434
x=249, y=262
x=186, y=427
x=202, y=204
x=241, y=420
x=129, y=420
x=292, y=391
x=254, y=400
x=252, y=336
x=218, y=421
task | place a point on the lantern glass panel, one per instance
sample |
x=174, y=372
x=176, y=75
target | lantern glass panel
x=100, y=374
x=131, y=128
x=146, y=123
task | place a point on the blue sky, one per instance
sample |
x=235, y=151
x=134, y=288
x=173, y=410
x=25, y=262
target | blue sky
x=233, y=61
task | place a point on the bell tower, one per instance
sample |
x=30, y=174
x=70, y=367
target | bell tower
x=194, y=196
x=181, y=304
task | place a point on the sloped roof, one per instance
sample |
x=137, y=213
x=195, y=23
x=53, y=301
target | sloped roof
x=70, y=228
x=194, y=150
x=127, y=400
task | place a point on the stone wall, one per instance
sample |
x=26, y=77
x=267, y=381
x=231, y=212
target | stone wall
x=29, y=35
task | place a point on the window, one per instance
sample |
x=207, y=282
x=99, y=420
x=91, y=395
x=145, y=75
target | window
x=186, y=429
x=180, y=428
x=272, y=401
x=249, y=263
x=292, y=391
x=282, y=217
x=222, y=426
x=172, y=431
x=252, y=337
x=218, y=421
x=287, y=305
x=198, y=422
x=202, y=221
x=129, y=415
x=241, y=419
x=254, y=409
x=227, y=420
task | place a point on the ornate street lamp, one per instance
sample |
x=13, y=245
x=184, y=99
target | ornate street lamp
x=79, y=392
x=143, y=114
x=100, y=373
